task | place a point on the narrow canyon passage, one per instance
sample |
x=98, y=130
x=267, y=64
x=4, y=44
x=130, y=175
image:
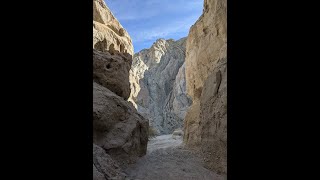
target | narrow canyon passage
x=167, y=159
x=160, y=113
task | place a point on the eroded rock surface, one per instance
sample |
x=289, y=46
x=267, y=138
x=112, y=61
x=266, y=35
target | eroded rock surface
x=112, y=71
x=108, y=33
x=158, y=87
x=104, y=167
x=117, y=126
x=205, y=128
x=119, y=131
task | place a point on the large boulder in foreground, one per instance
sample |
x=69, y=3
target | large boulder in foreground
x=104, y=167
x=111, y=70
x=117, y=126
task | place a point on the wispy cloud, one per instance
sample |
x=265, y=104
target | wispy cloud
x=148, y=20
x=146, y=9
x=165, y=30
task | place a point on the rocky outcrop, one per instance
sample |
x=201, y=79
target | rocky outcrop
x=205, y=126
x=120, y=133
x=104, y=167
x=117, y=127
x=108, y=33
x=112, y=71
x=158, y=88
x=181, y=101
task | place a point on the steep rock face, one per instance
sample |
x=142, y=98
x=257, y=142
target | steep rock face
x=158, y=84
x=112, y=71
x=205, y=126
x=181, y=101
x=108, y=33
x=119, y=131
x=117, y=126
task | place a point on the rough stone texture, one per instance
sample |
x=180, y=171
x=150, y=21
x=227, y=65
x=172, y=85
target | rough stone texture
x=104, y=167
x=213, y=118
x=107, y=31
x=112, y=71
x=117, y=126
x=158, y=88
x=205, y=128
x=120, y=134
x=181, y=101
x=206, y=44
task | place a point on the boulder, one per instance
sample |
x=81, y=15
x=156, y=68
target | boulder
x=112, y=71
x=104, y=167
x=117, y=126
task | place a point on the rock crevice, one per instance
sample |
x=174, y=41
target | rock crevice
x=158, y=85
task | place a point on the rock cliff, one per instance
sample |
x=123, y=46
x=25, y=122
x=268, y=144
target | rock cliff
x=205, y=127
x=107, y=31
x=120, y=133
x=158, y=88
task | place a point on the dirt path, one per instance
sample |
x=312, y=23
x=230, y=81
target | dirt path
x=166, y=159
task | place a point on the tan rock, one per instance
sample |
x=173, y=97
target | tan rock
x=108, y=31
x=205, y=126
x=213, y=118
x=117, y=126
x=112, y=71
x=206, y=44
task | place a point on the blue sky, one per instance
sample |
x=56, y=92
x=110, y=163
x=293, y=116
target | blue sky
x=148, y=20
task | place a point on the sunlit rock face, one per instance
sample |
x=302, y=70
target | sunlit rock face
x=158, y=88
x=120, y=133
x=205, y=127
x=108, y=33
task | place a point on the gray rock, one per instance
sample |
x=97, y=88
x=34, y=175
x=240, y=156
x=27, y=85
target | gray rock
x=158, y=87
x=104, y=167
x=117, y=126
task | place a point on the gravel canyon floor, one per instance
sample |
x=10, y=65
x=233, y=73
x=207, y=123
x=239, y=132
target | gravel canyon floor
x=167, y=159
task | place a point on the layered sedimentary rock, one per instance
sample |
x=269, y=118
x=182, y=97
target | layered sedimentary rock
x=119, y=131
x=158, y=88
x=205, y=126
x=108, y=33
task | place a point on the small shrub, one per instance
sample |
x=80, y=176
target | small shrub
x=152, y=133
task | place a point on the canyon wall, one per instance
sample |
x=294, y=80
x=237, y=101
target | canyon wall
x=120, y=133
x=107, y=30
x=205, y=126
x=158, y=88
